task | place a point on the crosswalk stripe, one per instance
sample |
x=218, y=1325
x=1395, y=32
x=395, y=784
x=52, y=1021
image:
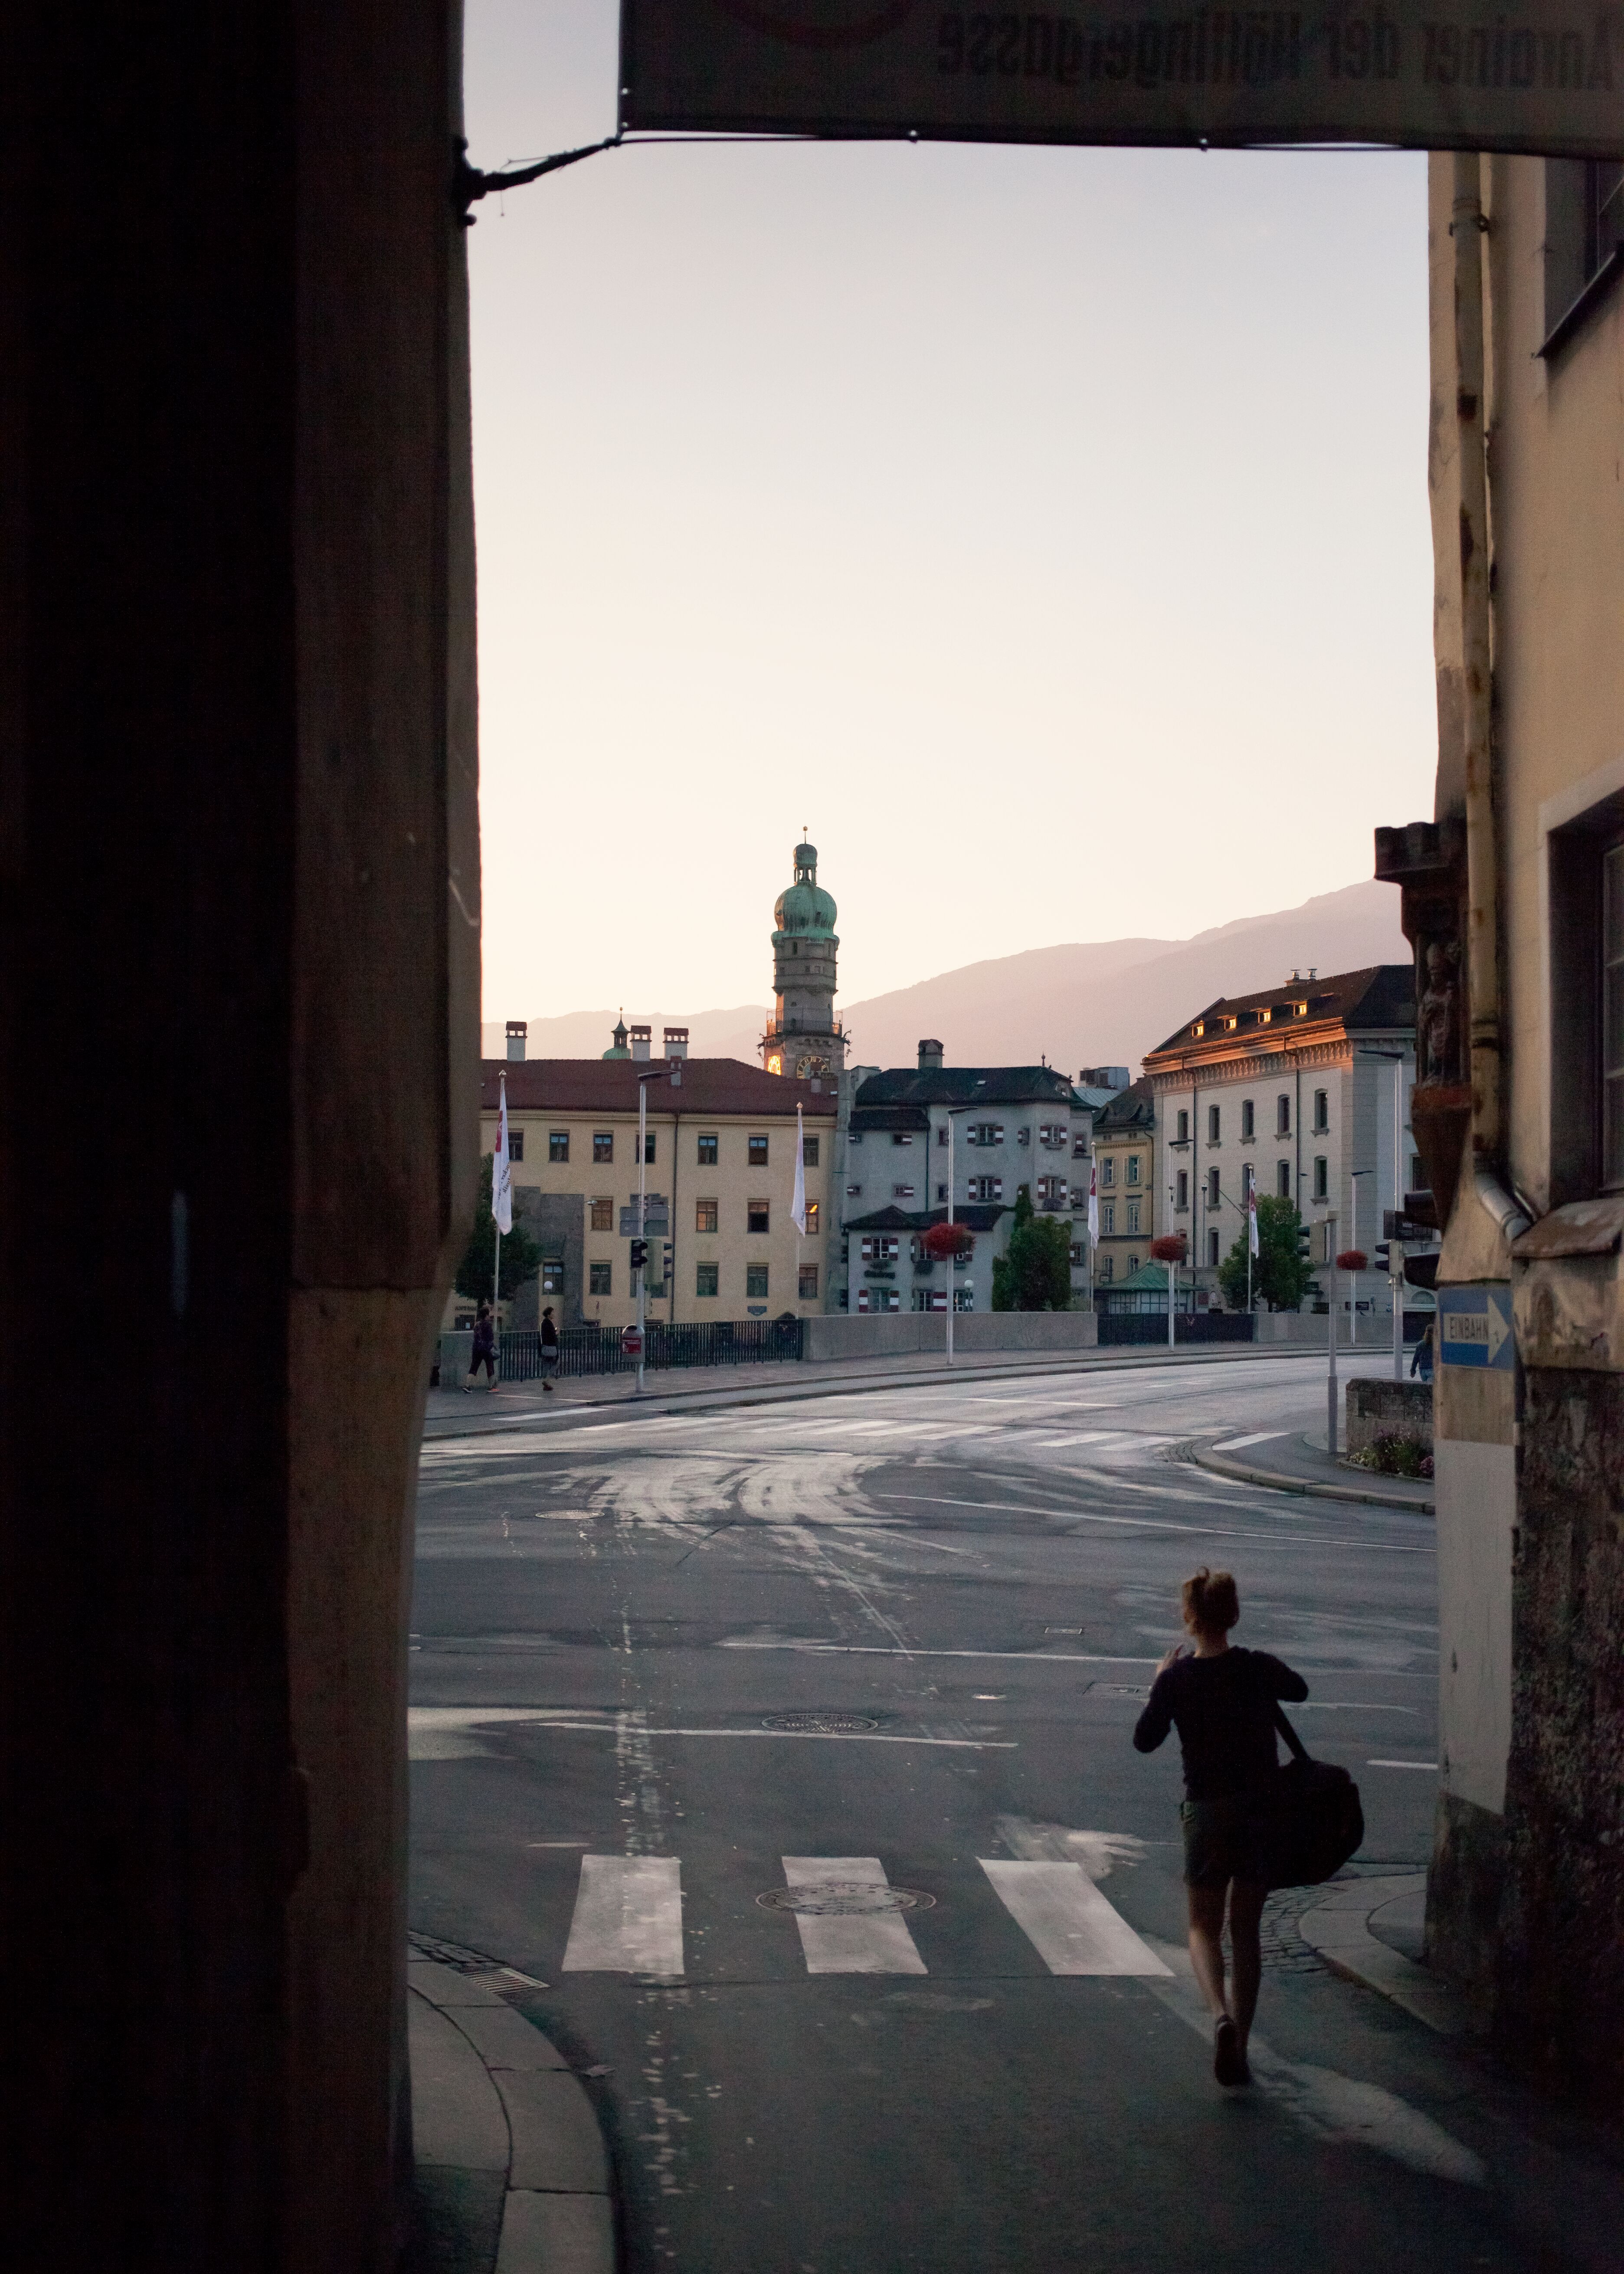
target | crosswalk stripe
x=628, y=1917
x=1069, y=1923
x=1258, y=1437
x=860, y=1942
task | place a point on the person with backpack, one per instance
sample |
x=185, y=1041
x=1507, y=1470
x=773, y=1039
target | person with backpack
x=1223, y=1701
x=484, y=1353
x=549, y=1349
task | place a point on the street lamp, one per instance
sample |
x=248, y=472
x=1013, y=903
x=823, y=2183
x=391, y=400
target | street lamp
x=673, y=1069
x=1353, y=1241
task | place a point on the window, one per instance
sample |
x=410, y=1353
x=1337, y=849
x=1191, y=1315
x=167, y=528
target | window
x=1321, y=1177
x=648, y=1142
x=707, y=1277
x=986, y=1132
x=811, y=1219
x=552, y=1275
x=854, y=1192
x=1612, y=1024
x=1107, y=1173
x=1214, y=1124
x=854, y=1137
x=1079, y=1147
x=1249, y=1120
x=1133, y=1265
x=515, y=1143
x=1282, y=1180
x=1077, y=1257
x=1182, y=1137
x=901, y=1137
x=942, y=1134
x=942, y=1192
x=707, y=1149
x=756, y=1283
x=755, y=1215
x=756, y=1150
x=1183, y=1189
x=706, y=1214
x=602, y=1278
x=1585, y=227
x=1322, y=1109
x=809, y=1282
x=1249, y=1178
x=603, y=1214
x=984, y=1188
x=809, y=1151
x=603, y=1145
x=1133, y=1168
x=1108, y=1270
x=558, y=1144
x=1107, y=1219
x=902, y=1191
x=1133, y=1215
x=881, y=1248
x=1212, y=1247
x=1282, y=1117
x=879, y=1298
x=1212, y=1188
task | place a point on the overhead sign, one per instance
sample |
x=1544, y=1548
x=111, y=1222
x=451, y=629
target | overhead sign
x=1532, y=75
x=1474, y=1326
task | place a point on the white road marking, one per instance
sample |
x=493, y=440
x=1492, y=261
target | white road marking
x=1087, y=1437
x=628, y=1917
x=1069, y=1922
x=1432, y=1766
x=886, y=1650
x=866, y=1942
x=1154, y=1524
x=1258, y=1437
x=441, y=1731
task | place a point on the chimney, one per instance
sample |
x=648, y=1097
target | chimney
x=929, y=1056
x=517, y=1028
x=676, y=1042
x=642, y=1040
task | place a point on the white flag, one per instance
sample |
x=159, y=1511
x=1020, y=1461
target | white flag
x=1093, y=1206
x=1251, y=1217
x=798, y=1205
x=501, y=1168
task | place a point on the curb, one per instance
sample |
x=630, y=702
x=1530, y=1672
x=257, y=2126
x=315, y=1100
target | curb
x=849, y=1386
x=1339, y=1930
x=510, y=2162
x=1246, y=1473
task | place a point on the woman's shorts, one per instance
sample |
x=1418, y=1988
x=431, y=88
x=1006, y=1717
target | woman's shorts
x=483, y=1358
x=1214, y=1842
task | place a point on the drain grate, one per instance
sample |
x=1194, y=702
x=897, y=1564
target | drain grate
x=832, y=1724
x=844, y=1898
x=1122, y=1688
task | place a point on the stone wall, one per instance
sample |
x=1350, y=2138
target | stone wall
x=1376, y=1408
x=849, y=1336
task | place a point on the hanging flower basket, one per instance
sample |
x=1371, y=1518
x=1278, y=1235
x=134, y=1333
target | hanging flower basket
x=1170, y=1248
x=945, y=1239
x=1353, y=1259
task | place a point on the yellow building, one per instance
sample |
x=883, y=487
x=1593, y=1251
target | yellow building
x=721, y=1159
x=1125, y=1164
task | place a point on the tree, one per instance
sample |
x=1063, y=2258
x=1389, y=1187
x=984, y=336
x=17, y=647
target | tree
x=1279, y=1275
x=1034, y=1272
x=521, y=1256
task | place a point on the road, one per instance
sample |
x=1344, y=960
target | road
x=789, y=1747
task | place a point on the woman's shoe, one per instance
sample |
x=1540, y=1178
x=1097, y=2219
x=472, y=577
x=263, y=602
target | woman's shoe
x=1228, y=2061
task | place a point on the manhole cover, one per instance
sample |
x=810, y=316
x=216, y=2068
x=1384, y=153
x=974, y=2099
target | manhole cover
x=844, y=1898
x=833, y=1724
x=1122, y=1688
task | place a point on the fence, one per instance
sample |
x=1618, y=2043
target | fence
x=717, y=1342
x=1205, y=1327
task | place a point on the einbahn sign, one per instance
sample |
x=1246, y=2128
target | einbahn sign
x=1544, y=76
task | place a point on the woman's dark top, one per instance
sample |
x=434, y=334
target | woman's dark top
x=1223, y=1708
x=485, y=1337
x=549, y=1334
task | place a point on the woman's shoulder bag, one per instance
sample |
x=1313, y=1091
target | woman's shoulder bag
x=1304, y=1824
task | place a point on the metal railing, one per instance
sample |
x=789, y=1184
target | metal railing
x=714, y=1342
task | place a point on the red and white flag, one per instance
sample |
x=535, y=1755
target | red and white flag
x=1094, y=1205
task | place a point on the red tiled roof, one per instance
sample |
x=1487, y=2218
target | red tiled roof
x=610, y=1085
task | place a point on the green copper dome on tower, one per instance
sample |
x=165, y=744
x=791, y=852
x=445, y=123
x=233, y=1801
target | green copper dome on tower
x=804, y=908
x=619, y=1050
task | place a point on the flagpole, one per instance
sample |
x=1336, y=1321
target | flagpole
x=496, y=1279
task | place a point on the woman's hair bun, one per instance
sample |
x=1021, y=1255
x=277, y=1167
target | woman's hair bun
x=1211, y=1600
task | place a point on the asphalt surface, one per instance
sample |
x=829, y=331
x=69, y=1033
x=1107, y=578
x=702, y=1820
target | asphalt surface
x=881, y=1643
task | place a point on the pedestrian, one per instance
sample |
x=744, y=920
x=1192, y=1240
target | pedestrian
x=1422, y=1362
x=1222, y=1701
x=483, y=1350
x=549, y=1349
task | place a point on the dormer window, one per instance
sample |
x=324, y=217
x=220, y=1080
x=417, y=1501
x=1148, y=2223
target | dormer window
x=1198, y=1028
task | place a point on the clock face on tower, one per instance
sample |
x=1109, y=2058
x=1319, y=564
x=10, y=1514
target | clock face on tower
x=811, y=1066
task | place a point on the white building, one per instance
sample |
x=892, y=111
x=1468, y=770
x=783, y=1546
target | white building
x=1291, y=1088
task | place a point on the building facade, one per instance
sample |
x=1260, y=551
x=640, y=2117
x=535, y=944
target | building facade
x=1291, y=1090
x=1513, y=900
x=1009, y=1127
x=719, y=1179
x=1124, y=1167
x=803, y=1037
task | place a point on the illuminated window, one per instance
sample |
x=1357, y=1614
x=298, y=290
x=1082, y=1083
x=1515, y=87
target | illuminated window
x=705, y=1215
x=603, y=1214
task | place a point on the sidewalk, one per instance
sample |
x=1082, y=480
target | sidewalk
x=511, y=2172
x=456, y=1413
x=1295, y=1461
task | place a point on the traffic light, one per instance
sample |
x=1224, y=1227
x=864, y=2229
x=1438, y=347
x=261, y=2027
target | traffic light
x=668, y=1262
x=639, y=1254
x=1384, y=1257
x=1304, y=1243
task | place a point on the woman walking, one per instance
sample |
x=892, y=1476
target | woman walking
x=484, y=1353
x=1222, y=1701
x=549, y=1348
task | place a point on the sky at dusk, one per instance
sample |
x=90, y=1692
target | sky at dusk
x=1045, y=529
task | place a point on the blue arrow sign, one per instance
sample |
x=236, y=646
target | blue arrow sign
x=1474, y=1326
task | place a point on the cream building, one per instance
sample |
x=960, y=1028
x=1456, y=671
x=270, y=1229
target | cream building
x=1124, y=1164
x=721, y=1159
